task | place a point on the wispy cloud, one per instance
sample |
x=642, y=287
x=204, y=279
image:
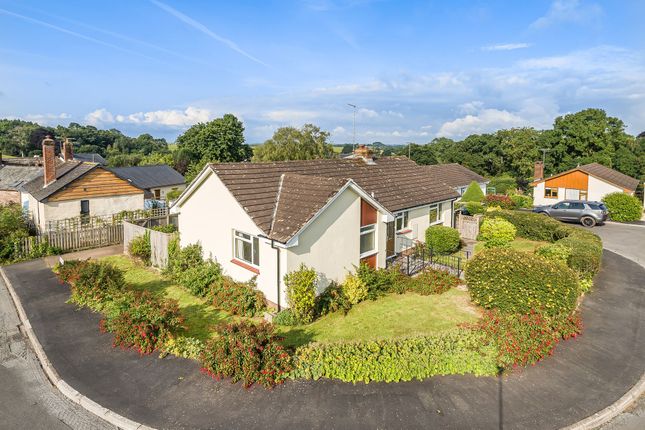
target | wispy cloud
x=505, y=47
x=202, y=28
x=73, y=33
x=571, y=11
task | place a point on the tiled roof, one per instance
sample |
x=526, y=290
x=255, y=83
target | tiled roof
x=610, y=175
x=90, y=158
x=13, y=177
x=147, y=177
x=453, y=174
x=397, y=183
x=66, y=173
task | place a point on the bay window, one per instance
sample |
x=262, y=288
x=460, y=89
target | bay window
x=368, y=239
x=246, y=248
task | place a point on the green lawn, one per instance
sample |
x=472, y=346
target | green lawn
x=392, y=316
x=519, y=243
x=200, y=315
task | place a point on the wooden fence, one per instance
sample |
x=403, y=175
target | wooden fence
x=468, y=226
x=72, y=240
x=158, y=242
x=83, y=222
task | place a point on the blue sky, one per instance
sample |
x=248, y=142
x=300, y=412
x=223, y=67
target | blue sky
x=415, y=69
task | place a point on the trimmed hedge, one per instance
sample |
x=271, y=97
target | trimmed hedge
x=623, y=207
x=459, y=351
x=518, y=282
x=442, y=239
x=585, y=246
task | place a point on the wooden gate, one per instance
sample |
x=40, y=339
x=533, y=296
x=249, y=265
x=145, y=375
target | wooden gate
x=468, y=226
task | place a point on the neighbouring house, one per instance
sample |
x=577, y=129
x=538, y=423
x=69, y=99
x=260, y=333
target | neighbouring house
x=266, y=219
x=90, y=157
x=14, y=173
x=71, y=189
x=456, y=176
x=156, y=180
x=587, y=182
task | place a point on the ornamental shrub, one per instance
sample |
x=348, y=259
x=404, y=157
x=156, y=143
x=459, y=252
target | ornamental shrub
x=333, y=299
x=430, y=281
x=473, y=208
x=459, y=351
x=12, y=229
x=521, y=201
x=183, y=346
x=301, y=293
x=139, y=247
x=623, y=207
x=473, y=193
x=378, y=281
x=200, y=278
x=93, y=283
x=523, y=339
x=354, y=289
x=142, y=321
x=497, y=233
x=555, y=252
x=246, y=352
x=518, y=282
x=238, y=298
x=534, y=226
x=168, y=228
x=442, y=240
x=285, y=318
x=499, y=200
x=181, y=259
x=503, y=184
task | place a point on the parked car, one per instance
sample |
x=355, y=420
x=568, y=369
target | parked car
x=586, y=213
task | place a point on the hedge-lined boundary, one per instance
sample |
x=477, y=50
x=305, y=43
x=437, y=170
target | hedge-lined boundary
x=585, y=246
x=459, y=351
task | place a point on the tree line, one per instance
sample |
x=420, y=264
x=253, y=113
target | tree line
x=579, y=138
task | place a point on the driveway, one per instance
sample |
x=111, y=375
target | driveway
x=627, y=240
x=584, y=375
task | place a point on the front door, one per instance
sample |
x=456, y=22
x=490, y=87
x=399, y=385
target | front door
x=389, y=244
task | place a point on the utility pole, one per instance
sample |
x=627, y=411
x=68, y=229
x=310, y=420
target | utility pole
x=354, y=126
x=544, y=151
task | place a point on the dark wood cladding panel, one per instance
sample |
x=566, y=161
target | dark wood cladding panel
x=368, y=213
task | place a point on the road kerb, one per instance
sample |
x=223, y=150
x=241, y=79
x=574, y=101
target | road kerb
x=62, y=386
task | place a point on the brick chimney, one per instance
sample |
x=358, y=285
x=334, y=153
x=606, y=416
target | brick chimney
x=49, y=161
x=68, y=153
x=538, y=171
x=365, y=153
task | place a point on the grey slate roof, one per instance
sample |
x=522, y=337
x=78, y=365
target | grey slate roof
x=90, y=158
x=147, y=177
x=453, y=174
x=13, y=177
x=610, y=175
x=66, y=173
x=397, y=183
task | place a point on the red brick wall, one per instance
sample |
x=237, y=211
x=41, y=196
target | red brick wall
x=49, y=161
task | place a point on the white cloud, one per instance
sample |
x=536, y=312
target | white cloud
x=291, y=115
x=47, y=118
x=471, y=107
x=484, y=121
x=568, y=11
x=169, y=118
x=506, y=46
x=339, y=130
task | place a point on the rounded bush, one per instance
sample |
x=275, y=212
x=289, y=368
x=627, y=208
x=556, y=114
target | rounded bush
x=623, y=207
x=442, y=239
x=519, y=282
x=301, y=293
x=497, y=232
x=522, y=201
x=285, y=318
x=355, y=289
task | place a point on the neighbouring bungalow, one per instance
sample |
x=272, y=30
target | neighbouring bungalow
x=14, y=173
x=456, y=176
x=90, y=157
x=587, y=182
x=266, y=219
x=71, y=188
x=156, y=180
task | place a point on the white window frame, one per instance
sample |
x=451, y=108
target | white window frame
x=254, y=241
x=365, y=230
x=438, y=207
x=404, y=217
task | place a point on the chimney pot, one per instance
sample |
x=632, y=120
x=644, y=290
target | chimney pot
x=49, y=161
x=68, y=153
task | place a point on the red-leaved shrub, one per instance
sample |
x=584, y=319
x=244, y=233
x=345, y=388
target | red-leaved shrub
x=238, y=298
x=499, y=200
x=246, y=352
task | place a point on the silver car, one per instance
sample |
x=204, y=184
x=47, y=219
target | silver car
x=586, y=213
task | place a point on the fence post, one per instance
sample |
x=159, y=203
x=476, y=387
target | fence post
x=458, y=266
x=408, y=265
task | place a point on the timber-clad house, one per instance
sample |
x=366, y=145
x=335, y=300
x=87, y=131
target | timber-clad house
x=71, y=188
x=266, y=219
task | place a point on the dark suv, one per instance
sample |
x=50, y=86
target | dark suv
x=582, y=211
